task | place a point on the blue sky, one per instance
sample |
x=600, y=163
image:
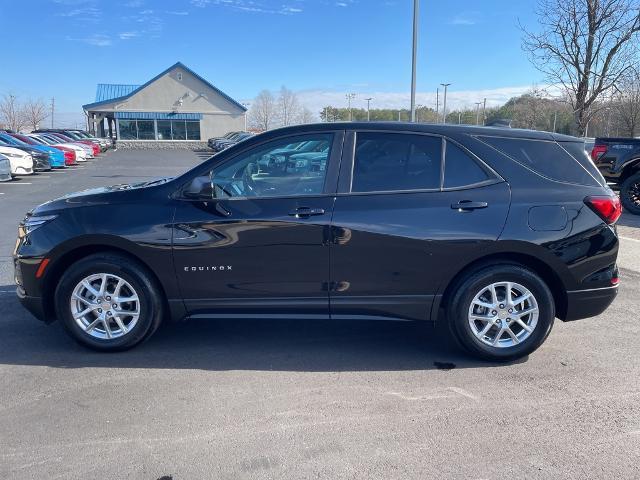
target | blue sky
x=320, y=48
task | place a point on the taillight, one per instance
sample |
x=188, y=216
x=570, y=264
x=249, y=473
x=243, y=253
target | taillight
x=598, y=151
x=607, y=207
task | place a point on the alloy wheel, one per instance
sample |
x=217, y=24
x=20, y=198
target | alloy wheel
x=503, y=314
x=105, y=306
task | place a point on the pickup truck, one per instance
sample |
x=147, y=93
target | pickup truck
x=618, y=159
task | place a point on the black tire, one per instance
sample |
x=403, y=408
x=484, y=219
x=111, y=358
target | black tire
x=150, y=300
x=464, y=293
x=629, y=189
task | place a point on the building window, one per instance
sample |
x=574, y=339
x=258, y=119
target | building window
x=159, y=129
x=193, y=130
x=146, y=130
x=128, y=130
x=164, y=130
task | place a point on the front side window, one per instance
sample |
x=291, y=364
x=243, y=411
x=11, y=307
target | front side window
x=275, y=169
x=393, y=162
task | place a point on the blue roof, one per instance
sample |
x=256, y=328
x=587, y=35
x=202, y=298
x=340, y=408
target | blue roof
x=157, y=116
x=109, y=91
x=135, y=88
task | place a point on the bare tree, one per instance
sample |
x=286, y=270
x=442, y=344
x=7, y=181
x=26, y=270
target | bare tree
x=263, y=111
x=306, y=116
x=586, y=46
x=288, y=107
x=35, y=111
x=12, y=113
x=628, y=112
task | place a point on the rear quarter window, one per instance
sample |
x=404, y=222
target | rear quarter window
x=546, y=158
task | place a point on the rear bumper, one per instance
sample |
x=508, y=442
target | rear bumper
x=589, y=303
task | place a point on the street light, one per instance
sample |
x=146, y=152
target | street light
x=478, y=112
x=444, y=103
x=350, y=96
x=416, y=8
x=246, y=105
x=368, y=103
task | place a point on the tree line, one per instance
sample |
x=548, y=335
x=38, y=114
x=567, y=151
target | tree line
x=17, y=115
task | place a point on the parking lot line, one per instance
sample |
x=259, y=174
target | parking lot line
x=16, y=183
x=630, y=239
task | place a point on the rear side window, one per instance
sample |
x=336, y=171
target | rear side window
x=546, y=158
x=393, y=161
x=578, y=150
x=460, y=169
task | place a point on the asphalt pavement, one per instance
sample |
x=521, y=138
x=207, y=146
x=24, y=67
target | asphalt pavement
x=289, y=399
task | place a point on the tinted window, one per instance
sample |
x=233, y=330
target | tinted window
x=460, y=169
x=275, y=169
x=544, y=157
x=579, y=151
x=392, y=161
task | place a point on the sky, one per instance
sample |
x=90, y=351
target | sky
x=321, y=49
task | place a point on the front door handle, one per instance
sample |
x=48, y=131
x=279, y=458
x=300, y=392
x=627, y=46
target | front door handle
x=305, y=212
x=468, y=205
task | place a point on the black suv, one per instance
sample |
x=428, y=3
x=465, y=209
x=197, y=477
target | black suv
x=494, y=231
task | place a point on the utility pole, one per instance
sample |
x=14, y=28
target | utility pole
x=437, y=104
x=416, y=11
x=53, y=108
x=444, y=104
x=555, y=118
x=478, y=112
x=350, y=96
x=484, y=111
x=368, y=104
x=459, y=118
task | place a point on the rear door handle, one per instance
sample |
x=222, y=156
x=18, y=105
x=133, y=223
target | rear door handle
x=468, y=205
x=305, y=212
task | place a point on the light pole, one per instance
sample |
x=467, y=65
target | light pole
x=368, y=104
x=246, y=105
x=484, y=111
x=437, y=104
x=350, y=96
x=478, y=112
x=416, y=11
x=444, y=103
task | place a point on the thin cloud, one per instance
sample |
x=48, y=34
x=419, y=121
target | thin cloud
x=128, y=35
x=465, y=18
x=251, y=6
x=177, y=13
x=97, y=40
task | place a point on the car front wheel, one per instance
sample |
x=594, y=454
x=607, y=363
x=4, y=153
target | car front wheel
x=502, y=312
x=108, y=302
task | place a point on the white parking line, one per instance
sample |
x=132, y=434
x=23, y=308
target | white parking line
x=630, y=239
x=16, y=183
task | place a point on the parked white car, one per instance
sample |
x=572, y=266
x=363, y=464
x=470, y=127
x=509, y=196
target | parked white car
x=20, y=161
x=5, y=169
x=81, y=153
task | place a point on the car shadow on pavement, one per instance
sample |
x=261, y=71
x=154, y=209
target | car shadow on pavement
x=629, y=220
x=219, y=345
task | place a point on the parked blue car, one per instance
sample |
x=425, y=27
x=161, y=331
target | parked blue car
x=56, y=156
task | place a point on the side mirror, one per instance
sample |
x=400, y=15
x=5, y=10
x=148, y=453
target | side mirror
x=200, y=188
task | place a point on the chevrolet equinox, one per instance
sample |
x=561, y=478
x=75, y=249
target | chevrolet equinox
x=496, y=232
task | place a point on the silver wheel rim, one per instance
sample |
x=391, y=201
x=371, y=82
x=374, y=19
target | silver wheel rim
x=105, y=306
x=503, y=314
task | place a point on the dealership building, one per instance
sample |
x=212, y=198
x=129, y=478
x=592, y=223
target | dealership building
x=177, y=108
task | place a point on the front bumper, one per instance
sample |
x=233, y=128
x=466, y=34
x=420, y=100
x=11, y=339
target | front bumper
x=35, y=305
x=589, y=303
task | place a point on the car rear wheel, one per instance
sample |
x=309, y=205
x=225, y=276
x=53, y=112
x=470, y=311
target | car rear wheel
x=630, y=194
x=501, y=312
x=108, y=302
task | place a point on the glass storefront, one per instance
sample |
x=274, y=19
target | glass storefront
x=159, y=129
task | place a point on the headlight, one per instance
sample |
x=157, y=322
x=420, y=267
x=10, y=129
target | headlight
x=31, y=223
